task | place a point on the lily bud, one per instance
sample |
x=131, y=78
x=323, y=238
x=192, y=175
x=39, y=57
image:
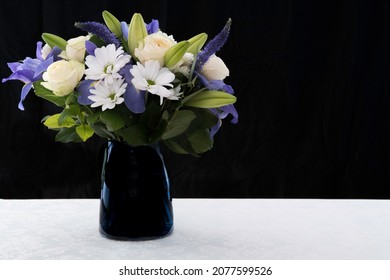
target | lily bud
x=196, y=43
x=112, y=23
x=54, y=40
x=137, y=32
x=175, y=53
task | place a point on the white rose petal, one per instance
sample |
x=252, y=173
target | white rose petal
x=215, y=69
x=63, y=76
x=75, y=49
x=154, y=47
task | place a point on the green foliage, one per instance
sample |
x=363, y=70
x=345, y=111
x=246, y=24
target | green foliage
x=84, y=131
x=44, y=93
x=53, y=122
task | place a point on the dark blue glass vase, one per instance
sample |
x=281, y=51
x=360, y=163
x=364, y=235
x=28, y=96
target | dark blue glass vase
x=135, y=195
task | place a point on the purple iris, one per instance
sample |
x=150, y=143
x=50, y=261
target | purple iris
x=151, y=28
x=134, y=99
x=30, y=70
x=84, y=87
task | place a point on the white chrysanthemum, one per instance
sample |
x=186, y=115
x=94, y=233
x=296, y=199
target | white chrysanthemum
x=175, y=93
x=184, y=64
x=152, y=78
x=108, y=95
x=106, y=63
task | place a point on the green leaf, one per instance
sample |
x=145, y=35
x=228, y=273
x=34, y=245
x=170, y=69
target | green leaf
x=97, y=41
x=175, y=53
x=137, y=32
x=112, y=120
x=101, y=130
x=112, y=23
x=209, y=99
x=196, y=43
x=135, y=135
x=54, y=40
x=52, y=122
x=71, y=111
x=84, y=131
x=93, y=118
x=204, y=119
x=44, y=93
x=179, y=123
x=151, y=116
x=174, y=146
x=67, y=135
x=201, y=141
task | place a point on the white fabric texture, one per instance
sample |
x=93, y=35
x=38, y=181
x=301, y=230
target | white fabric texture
x=241, y=229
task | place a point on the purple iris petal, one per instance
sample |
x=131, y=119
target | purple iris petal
x=42, y=68
x=31, y=63
x=134, y=99
x=90, y=47
x=215, y=84
x=24, y=76
x=38, y=51
x=125, y=72
x=55, y=52
x=14, y=66
x=230, y=109
x=84, y=90
x=26, y=88
x=153, y=26
x=215, y=128
x=125, y=30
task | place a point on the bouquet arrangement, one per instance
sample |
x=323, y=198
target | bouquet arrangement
x=131, y=83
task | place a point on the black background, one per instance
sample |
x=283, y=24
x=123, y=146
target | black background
x=312, y=82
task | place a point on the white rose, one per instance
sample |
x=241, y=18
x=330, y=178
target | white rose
x=154, y=47
x=75, y=49
x=63, y=76
x=214, y=69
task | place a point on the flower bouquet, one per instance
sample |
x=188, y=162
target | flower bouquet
x=131, y=83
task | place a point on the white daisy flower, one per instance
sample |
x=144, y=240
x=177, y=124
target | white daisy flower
x=106, y=63
x=175, y=93
x=152, y=78
x=108, y=95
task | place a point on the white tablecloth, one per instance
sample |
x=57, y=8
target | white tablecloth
x=268, y=229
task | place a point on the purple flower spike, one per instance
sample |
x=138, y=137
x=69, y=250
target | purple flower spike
x=213, y=46
x=99, y=30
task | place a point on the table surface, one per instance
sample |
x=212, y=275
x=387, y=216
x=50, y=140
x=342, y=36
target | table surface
x=205, y=229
